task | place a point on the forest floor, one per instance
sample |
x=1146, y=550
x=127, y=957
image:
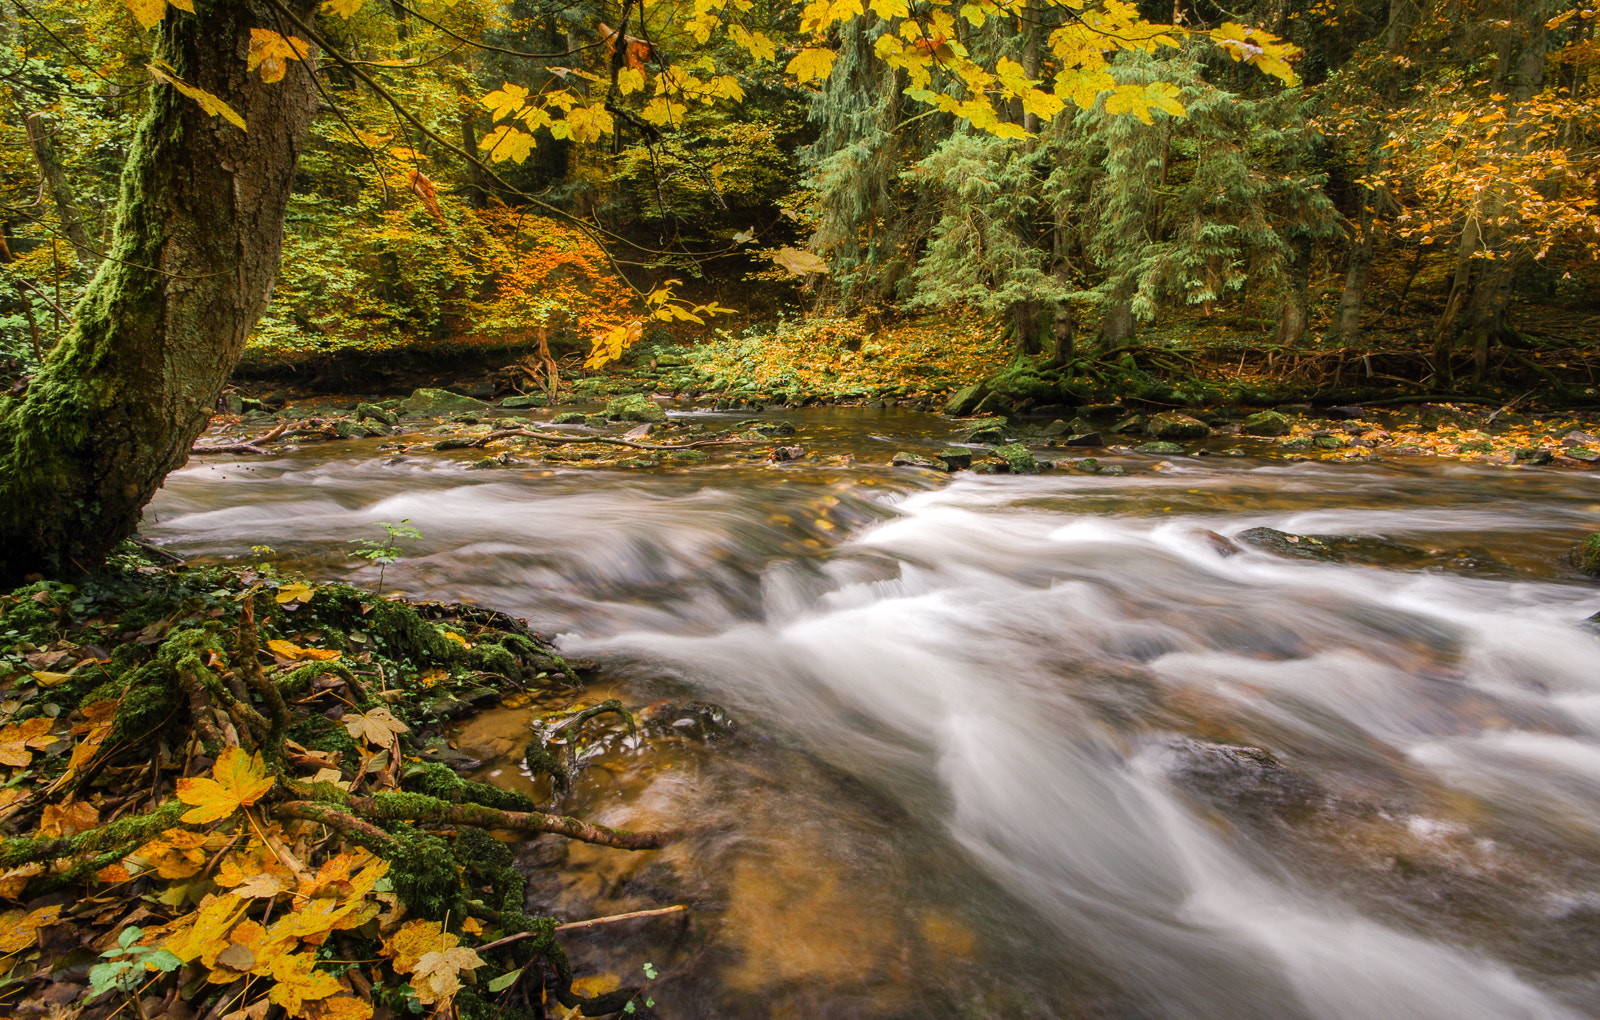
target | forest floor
x=230, y=792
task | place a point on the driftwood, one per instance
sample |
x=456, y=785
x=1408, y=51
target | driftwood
x=248, y=446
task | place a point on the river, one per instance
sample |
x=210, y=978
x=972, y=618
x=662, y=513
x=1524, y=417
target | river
x=1058, y=745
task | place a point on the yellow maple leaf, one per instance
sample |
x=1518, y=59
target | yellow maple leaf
x=67, y=819
x=238, y=780
x=297, y=591
x=414, y=940
x=343, y=8
x=204, y=933
x=505, y=100
x=18, y=738
x=507, y=142
x=176, y=853
x=270, y=51
x=662, y=111
x=15, y=880
x=437, y=976
x=18, y=928
x=337, y=1007
x=290, y=650
x=298, y=981
x=812, y=64
x=1140, y=99
x=148, y=13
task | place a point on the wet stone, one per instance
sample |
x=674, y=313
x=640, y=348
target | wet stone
x=955, y=459
x=1166, y=448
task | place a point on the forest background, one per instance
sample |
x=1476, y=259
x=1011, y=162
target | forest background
x=1411, y=204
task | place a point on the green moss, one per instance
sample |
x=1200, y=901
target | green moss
x=440, y=782
x=1586, y=557
x=424, y=872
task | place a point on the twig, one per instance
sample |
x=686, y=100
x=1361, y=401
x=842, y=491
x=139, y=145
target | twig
x=592, y=922
x=158, y=552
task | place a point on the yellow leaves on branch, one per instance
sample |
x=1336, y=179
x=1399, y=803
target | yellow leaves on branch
x=269, y=52
x=238, y=780
x=148, y=13
x=609, y=345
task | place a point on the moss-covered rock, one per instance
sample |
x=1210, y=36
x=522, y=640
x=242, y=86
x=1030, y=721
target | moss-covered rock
x=635, y=407
x=1586, y=557
x=1266, y=423
x=1158, y=447
x=1017, y=458
x=1172, y=426
x=439, y=402
x=965, y=400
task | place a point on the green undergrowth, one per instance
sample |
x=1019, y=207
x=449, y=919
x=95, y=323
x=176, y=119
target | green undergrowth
x=165, y=730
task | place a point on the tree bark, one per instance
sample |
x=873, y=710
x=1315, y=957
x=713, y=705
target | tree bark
x=44, y=154
x=195, y=254
x=1358, y=274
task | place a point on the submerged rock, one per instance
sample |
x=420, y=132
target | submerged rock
x=985, y=430
x=373, y=411
x=1166, y=448
x=904, y=459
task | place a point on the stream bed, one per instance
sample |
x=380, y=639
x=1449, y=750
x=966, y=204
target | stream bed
x=1058, y=745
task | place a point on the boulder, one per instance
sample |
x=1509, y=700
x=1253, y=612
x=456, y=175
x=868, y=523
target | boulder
x=1586, y=557
x=1017, y=458
x=985, y=430
x=1267, y=423
x=635, y=407
x=1087, y=439
x=376, y=413
x=1158, y=447
x=570, y=418
x=440, y=402
x=477, y=390
x=526, y=400
x=904, y=459
x=1170, y=425
x=1130, y=426
x=954, y=458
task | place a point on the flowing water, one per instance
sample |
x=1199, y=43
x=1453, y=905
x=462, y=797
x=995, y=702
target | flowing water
x=1044, y=746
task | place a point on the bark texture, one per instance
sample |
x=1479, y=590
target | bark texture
x=193, y=260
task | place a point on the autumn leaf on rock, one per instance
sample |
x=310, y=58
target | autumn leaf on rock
x=239, y=780
x=15, y=740
x=376, y=727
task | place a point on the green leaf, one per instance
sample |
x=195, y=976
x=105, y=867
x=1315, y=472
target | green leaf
x=163, y=961
x=504, y=981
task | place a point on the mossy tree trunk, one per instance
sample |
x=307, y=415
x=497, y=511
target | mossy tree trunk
x=198, y=234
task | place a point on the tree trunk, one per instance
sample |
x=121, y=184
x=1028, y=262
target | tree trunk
x=194, y=257
x=1024, y=319
x=1293, y=305
x=1357, y=276
x=44, y=154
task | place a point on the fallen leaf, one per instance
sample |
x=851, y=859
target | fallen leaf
x=18, y=929
x=47, y=679
x=378, y=726
x=18, y=738
x=296, y=592
x=67, y=819
x=14, y=881
x=298, y=981
x=239, y=781
x=293, y=652
x=437, y=976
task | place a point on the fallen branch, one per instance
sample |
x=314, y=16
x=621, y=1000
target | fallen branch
x=592, y=922
x=228, y=448
x=417, y=808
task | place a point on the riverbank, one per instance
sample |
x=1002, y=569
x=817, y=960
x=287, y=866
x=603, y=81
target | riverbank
x=235, y=790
